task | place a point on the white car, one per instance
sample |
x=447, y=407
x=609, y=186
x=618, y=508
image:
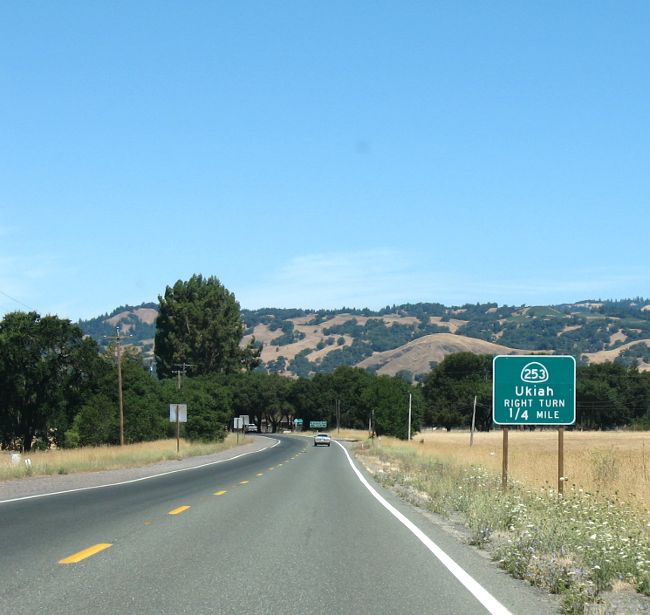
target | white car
x=251, y=427
x=322, y=438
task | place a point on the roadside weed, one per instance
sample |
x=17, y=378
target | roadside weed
x=577, y=545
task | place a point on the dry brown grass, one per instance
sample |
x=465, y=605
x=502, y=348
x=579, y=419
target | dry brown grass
x=349, y=434
x=610, y=463
x=92, y=459
x=610, y=355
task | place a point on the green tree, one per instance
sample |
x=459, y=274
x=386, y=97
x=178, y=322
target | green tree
x=199, y=323
x=449, y=391
x=47, y=369
x=610, y=395
x=263, y=397
x=387, y=397
x=97, y=421
x=145, y=412
x=247, y=396
x=306, y=399
x=345, y=384
x=95, y=424
x=209, y=407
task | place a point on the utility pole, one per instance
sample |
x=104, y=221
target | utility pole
x=338, y=416
x=180, y=372
x=119, y=385
x=410, y=399
x=120, y=398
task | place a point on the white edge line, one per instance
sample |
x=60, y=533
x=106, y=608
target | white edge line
x=137, y=480
x=474, y=587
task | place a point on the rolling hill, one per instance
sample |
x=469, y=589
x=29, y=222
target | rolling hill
x=409, y=339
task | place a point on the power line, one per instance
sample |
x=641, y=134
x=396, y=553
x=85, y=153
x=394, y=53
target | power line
x=29, y=307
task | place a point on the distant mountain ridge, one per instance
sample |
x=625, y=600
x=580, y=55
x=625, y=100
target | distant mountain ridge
x=408, y=339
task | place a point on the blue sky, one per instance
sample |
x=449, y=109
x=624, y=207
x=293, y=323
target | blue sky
x=322, y=155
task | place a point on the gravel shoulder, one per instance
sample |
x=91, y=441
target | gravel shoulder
x=34, y=486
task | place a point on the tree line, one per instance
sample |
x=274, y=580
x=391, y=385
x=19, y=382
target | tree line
x=608, y=395
x=59, y=387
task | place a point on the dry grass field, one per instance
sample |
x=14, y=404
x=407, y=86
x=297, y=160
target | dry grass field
x=93, y=459
x=610, y=463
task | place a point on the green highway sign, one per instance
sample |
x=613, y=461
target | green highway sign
x=534, y=390
x=297, y=421
x=317, y=424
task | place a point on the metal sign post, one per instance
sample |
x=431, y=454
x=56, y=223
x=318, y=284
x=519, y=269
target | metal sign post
x=409, y=426
x=504, y=461
x=178, y=415
x=560, y=461
x=238, y=425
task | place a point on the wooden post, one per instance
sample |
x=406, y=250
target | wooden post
x=471, y=433
x=560, y=461
x=178, y=430
x=119, y=387
x=504, y=461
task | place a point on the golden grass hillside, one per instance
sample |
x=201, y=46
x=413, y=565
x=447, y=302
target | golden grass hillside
x=611, y=355
x=416, y=356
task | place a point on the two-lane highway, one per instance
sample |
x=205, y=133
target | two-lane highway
x=291, y=529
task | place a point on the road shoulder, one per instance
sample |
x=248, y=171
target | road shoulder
x=33, y=486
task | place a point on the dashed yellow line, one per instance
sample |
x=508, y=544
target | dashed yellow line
x=259, y=474
x=179, y=510
x=222, y=492
x=82, y=555
x=244, y=482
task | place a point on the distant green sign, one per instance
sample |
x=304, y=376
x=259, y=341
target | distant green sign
x=297, y=421
x=534, y=390
x=317, y=424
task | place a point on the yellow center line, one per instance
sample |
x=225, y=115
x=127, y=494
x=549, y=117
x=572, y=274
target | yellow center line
x=81, y=555
x=244, y=482
x=259, y=474
x=179, y=510
x=270, y=468
x=222, y=492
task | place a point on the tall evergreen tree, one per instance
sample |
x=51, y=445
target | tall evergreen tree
x=199, y=323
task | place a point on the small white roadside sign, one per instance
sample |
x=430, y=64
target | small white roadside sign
x=182, y=413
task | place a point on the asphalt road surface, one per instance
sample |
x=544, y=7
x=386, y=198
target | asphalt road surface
x=289, y=530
